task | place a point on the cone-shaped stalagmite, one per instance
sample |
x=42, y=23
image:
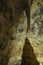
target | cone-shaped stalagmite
x=28, y=56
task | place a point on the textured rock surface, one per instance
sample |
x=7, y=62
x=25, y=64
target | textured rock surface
x=36, y=32
x=10, y=13
x=37, y=20
x=35, y=35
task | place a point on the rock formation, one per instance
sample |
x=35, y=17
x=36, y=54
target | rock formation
x=28, y=56
x=10, y=11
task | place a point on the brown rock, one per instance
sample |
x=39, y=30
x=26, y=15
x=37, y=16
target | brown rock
x=28, y=56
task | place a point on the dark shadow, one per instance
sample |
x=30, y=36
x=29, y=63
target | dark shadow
x=5, y=53
x=4, y=59
x=28, y=56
